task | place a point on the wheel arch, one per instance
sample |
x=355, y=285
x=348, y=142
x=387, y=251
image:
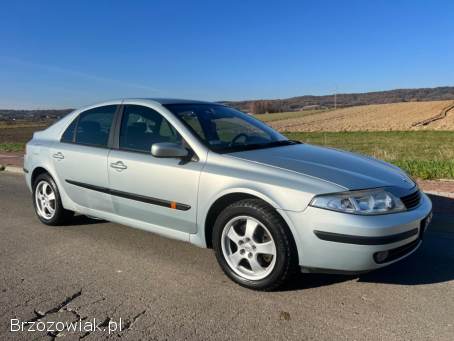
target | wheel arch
x=47, y=168
x=37, y=172
x=228, y=198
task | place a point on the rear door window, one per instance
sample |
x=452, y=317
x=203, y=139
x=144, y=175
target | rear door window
x=142, y=126
x=94, y=125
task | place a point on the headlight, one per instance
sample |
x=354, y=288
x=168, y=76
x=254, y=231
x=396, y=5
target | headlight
x=368, y=202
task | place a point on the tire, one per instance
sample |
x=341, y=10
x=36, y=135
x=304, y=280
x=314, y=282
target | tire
x=247, y=258
x=50, y=211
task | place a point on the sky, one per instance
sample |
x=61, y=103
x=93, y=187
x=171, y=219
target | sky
x=59, y=54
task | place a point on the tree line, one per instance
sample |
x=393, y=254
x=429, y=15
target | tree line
x=263, y=107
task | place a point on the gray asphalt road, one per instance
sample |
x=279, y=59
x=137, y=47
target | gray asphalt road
x=164, y=289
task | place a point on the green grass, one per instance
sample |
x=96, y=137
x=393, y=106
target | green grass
x=286, y=115
x=423, y=154
x=12, y=147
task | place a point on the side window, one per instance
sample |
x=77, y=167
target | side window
x=68, y=135
x=94, y=126
x=142, y=126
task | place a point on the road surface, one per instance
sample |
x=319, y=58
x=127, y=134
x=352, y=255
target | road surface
x=165, y=289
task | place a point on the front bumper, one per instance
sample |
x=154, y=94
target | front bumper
x=338, y=242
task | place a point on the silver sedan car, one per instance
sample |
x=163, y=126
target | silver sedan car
x=215, y=177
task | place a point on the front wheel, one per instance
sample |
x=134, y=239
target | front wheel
x=47, y=202
x=253, y=245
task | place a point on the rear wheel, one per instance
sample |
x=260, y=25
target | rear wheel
x=253, y=245
x=47, y=202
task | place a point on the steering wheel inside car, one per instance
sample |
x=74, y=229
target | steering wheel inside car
x=237, y=137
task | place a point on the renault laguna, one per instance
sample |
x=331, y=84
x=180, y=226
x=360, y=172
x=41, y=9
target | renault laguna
x=210, y=175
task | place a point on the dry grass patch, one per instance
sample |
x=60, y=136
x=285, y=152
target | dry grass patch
x=288, y=115
x=377, y=117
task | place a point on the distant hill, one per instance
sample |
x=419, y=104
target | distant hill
x=344, y=100
x=282, y=105
x=33, y=115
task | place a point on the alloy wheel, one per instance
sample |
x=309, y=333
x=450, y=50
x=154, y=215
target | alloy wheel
x=45, y=200
x=248, y=248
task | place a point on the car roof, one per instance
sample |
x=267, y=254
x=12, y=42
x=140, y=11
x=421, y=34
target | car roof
x=162, y=101
x=165, y=101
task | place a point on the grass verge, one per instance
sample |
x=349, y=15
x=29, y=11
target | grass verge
x=12, y=147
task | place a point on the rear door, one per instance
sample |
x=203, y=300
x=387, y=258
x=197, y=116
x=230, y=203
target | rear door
x=159, y=191
x=81, y=158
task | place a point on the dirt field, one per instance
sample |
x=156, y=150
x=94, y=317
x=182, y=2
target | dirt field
x=18, y=134
x=380, y=117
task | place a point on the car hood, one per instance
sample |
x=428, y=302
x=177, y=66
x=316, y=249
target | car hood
x=349, y=170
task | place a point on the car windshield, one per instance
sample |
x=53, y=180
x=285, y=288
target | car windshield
x=225, y=129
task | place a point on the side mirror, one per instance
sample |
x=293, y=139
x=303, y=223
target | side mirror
x=169, y=150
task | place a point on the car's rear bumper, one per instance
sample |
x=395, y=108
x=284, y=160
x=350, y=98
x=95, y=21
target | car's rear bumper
x=27, y=172
x=338, y=242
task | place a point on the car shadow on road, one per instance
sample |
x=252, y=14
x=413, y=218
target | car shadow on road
x=79, y=220
x=442, y=205
x=309, y=281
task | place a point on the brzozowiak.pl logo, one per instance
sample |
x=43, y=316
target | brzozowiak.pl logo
x=57, y=327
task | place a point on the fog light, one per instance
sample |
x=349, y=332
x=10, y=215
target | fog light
x=381, y=256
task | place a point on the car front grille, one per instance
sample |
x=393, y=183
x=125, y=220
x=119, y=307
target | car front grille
x=412, y=200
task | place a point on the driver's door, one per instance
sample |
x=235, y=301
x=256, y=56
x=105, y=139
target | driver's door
x=159, y=191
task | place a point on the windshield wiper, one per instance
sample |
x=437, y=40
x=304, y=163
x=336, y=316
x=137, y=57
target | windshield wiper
x=285, y=142
x=252, y=146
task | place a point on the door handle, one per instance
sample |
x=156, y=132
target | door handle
x=118, y=165
x=58, y=155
